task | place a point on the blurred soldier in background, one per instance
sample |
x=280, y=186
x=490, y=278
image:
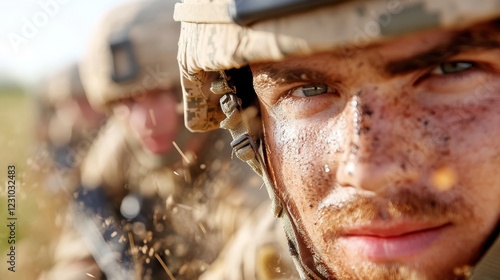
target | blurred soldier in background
x=65, y=126
x=156, y=201
x=376, y=142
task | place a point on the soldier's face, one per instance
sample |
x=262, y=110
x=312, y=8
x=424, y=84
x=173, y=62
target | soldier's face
x=387, y=156
x=88, y=118
x=153, y=119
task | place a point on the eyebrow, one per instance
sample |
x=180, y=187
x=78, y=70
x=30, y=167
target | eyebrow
x=285, y=75
x=462, y=41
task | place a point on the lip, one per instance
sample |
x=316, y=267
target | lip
x=380, y=242
x=158, y=137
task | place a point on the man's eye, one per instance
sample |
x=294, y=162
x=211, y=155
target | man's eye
x=310, y=90
x=452, y=67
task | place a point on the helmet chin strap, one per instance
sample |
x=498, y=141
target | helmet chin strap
x=248, y=148
x=488, y=266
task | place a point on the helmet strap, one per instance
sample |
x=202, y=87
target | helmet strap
x=488, y=266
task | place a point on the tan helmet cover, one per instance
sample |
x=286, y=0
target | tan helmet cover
x=210, y=41
x=132, y=51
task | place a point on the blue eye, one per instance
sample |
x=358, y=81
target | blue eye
x=310, y=90
x=452, y=67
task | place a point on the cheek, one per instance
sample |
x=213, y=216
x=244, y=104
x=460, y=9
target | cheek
x=135, y=120
x=473, y=132
x=166, y=116
x=303, y=159
x=166, y=113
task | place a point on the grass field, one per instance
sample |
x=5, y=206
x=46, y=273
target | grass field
x=15, y=127
x=35, y=209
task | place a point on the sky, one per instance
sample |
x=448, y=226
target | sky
x=38, y=36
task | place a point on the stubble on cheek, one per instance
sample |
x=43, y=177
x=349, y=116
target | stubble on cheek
x=300, y=154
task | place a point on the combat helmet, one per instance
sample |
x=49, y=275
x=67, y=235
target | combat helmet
x=220, y=38
x=133, y=52
x=125, y=58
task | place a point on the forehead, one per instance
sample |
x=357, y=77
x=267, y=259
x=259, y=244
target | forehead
x=403, y=53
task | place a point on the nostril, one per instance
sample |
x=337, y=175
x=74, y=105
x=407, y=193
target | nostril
x=367, y=176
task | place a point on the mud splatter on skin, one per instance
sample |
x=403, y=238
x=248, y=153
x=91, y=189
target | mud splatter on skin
x=380, y=165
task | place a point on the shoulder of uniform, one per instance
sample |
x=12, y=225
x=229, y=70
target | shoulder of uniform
x=107, y=157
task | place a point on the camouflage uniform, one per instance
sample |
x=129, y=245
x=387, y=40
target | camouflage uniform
x=214, y=54
x=257, y=251
x=184, y=221
x=65, y=129
x=143, y=215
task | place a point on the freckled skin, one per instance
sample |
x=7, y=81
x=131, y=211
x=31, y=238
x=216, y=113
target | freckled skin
x=381, y=137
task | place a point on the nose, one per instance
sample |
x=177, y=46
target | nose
x=150, y=118
x=375, y=150
x=366, y=175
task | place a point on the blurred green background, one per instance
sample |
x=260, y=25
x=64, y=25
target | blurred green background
x=36, y=39
x=35, y=208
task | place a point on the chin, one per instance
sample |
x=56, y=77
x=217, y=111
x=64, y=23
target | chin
x=399, y=271
x=157, y=149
